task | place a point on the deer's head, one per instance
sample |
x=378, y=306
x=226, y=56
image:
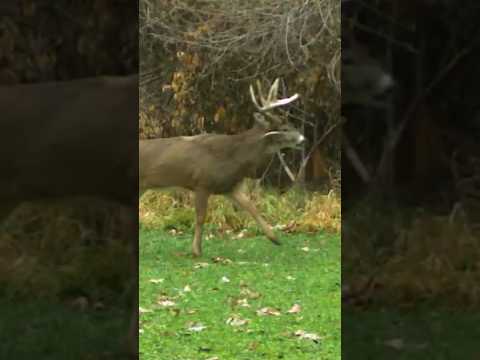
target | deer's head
x=364, y=80
x=277, y=132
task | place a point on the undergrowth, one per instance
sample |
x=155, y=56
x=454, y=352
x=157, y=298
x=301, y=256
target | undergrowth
x=407, y=256
x=296, y=210
x=64, y=250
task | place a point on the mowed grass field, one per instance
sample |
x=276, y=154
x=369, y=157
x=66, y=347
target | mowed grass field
x=41, y=329
x=243, y=299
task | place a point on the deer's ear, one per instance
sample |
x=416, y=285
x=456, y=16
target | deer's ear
x=260, y=120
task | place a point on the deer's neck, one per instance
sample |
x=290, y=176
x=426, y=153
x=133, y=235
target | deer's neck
x=249, y=150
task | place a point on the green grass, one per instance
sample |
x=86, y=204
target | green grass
x=37, y=329
x=261, y=273
x=426, y=333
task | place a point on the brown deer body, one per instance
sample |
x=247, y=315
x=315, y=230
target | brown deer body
x=72, y=138
x=216, y=164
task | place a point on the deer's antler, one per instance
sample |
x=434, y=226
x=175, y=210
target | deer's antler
x=271, y=101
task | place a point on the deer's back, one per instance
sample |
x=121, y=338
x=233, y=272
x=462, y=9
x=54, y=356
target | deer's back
x=208, y=162
x=69, y=138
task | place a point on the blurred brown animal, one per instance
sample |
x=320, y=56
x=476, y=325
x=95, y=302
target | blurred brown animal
x=73, y=138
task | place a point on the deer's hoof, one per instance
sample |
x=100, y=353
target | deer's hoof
x=275, y=241
x=196, y=253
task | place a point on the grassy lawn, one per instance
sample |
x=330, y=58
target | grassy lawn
x=46, y=330
x=62, y=297
x=207, y=308
x=422, y=334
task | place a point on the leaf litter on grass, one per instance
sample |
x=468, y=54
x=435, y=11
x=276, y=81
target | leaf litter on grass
x=247, y=304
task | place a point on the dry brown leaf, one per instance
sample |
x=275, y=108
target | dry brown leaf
x=296, y=308
x=166, y=303
x=307, y=336
x=268, y=311
x=252, y=295
x=195, y=327
x=236, y=320
x=80, y=303
x=200, y=265
x=243, y=303
x=221, y=260
x=156, y=281
x=397, y=344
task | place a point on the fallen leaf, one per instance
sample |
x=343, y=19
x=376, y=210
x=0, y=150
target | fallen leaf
x=397, y=344
x=165, y=301
x=200, y=265
x=290, y=278
x=243, y=303
x=221, y=260
x=225, y=279
x=267, y=311
x=80, y=303
x=187, y=288
x=236, y=320
x=307, y=336
x=294, y=309
x=156, y=281
x=252, y=295
x=144, y=311
x=196, y=327
x=306, y=249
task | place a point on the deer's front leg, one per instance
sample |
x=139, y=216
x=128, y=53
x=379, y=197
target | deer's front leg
x=243, y=202
x=201, y=205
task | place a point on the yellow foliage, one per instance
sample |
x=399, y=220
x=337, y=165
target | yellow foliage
x=293, y=212
x=322, y=212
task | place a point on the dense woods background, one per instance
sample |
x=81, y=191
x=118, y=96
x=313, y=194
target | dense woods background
x=44, y=40
x=431, y=48
x=410, y=231
x=199, y=57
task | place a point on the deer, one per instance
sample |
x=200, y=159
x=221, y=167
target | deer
x=217, y=164
x=73, y=138
x=364, y=80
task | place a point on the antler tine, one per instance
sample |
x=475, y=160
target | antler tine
x=260, y=93
x=272, y=94
x=254, y=99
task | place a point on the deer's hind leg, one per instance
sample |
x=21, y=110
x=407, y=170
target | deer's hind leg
x=241, y=200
